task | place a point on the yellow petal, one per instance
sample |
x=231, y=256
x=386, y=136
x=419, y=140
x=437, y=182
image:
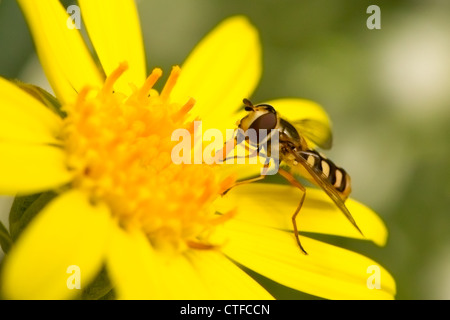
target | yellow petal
x=25, y=119
x=131, y=266
x=27, y=168
x=224, y=68
x=327, y=271
x=140, y=272
x=224, y=279
x=115, y=32
x=65, y=240
x=295, y=109
x=63, y=54
x=273, y=205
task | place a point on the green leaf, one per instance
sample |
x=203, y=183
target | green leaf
x=5, y=238
x=20, y=204
x=24, y=209
x=43, y=96
x=111, y=295
x=99, y=288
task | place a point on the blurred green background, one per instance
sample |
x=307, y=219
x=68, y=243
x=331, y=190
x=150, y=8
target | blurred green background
x=385, y=90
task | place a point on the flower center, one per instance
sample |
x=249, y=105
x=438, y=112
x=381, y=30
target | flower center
x=120, y=150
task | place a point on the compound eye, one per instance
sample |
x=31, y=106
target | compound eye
x=267, y=121
x=248, y=109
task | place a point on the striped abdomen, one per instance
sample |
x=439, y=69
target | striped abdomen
x=337, y=177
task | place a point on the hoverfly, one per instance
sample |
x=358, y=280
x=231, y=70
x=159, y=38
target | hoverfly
x=299, y=157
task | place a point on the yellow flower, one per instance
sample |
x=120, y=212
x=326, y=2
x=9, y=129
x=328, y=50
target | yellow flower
x=161, y=230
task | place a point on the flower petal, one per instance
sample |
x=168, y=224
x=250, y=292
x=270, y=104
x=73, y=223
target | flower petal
x=25, y=119
x=224, y=279
x=131, y=266
x=115, y=32
x=273, y=205
x=140, y=272
x=69, y=231
x=295, y=109
x=63, y=54
x=327, y=271
x=28, y=168
x=224, y=68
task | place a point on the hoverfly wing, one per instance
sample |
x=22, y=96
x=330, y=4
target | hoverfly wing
x=323, y=183
x=316, y=131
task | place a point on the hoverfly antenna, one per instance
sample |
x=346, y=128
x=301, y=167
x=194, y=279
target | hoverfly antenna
x=248, y=105
x=247, y=102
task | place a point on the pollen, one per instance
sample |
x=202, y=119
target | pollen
x=119, y=148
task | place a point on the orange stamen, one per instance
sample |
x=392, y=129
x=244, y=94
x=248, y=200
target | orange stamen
x=184, y=109
x=109, y=82
x=225, y=217
x=149, y=83
x=199, y=246
x=171, y=81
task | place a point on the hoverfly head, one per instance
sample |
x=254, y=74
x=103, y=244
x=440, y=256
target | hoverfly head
x=259, y=117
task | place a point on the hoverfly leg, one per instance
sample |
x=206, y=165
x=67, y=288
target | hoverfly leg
x=291, y=179
x=221, y=155
x=262, y=176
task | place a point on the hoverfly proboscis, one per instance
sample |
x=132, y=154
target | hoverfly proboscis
x=295, y=153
